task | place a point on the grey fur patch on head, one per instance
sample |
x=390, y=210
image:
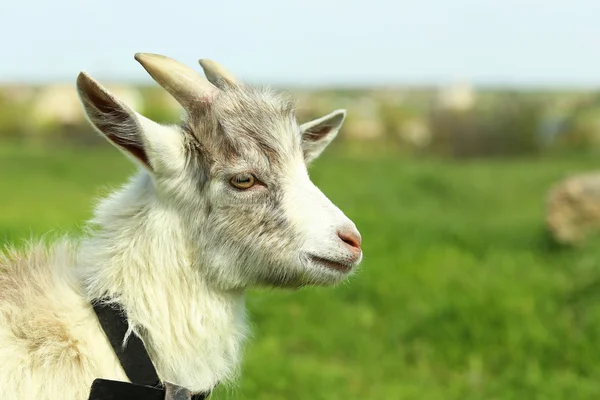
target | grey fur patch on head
x=243, y=120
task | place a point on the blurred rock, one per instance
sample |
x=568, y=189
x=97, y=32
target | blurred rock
x=573, y=208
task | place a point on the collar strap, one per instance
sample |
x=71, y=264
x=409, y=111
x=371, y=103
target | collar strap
x=133, y=355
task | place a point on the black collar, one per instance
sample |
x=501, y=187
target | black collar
x=133, y=358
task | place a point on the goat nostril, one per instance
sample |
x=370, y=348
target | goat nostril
x=352, y=239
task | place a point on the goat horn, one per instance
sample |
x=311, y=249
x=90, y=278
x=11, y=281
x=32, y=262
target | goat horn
x=217, y=74
x=187, y=86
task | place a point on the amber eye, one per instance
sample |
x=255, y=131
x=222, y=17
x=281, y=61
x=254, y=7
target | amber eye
x=243, y=181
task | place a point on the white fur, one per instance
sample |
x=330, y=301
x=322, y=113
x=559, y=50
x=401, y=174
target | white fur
x=316, y=217
x=193, y=331
x=153, y=248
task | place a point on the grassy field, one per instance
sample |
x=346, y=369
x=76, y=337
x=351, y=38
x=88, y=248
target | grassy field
x=459, y=297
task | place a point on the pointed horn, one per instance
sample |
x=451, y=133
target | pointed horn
x=187, y=86
x=217, y=74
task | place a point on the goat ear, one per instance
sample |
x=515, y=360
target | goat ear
x=317, y=134
x=117, y=122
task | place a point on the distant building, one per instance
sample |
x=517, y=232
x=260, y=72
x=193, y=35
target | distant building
x=364, y=119
x=457, y=97
x=416, y=132
x=17, y=93
x=57, y=104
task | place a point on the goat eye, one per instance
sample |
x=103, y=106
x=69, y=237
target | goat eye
x=243, y=181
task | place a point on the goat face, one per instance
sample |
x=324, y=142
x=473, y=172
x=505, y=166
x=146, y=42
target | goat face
x=234, y=176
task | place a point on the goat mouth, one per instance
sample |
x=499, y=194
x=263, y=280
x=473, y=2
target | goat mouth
x=336, y=265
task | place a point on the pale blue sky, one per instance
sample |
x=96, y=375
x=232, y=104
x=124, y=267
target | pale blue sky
x=533, y=42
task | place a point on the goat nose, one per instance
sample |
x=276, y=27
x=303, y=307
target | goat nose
x=352, y=239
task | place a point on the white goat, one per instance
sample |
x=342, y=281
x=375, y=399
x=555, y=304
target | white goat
x=220, y=204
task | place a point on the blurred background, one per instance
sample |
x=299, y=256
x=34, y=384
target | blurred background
x=468, y=161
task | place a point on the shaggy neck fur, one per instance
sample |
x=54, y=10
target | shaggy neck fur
x=139, y=257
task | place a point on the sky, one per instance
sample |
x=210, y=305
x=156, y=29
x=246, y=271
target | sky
x=309, y=42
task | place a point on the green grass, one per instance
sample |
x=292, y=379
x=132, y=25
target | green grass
x=459, y=297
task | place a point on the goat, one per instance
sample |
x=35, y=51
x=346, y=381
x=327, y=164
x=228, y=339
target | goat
x=220, y=203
